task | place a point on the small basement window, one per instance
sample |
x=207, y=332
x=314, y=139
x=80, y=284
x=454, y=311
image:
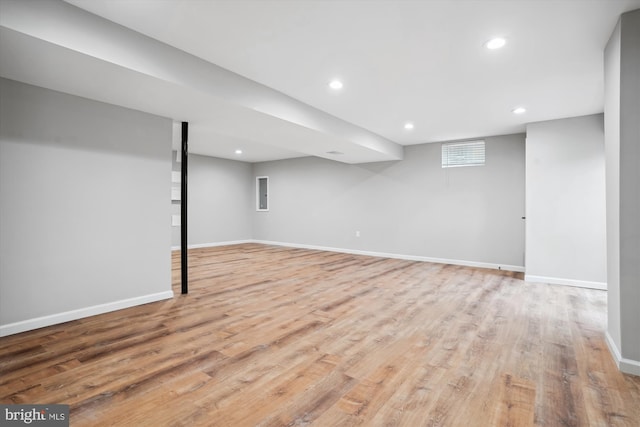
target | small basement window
x=457, y=154
x=262, y=193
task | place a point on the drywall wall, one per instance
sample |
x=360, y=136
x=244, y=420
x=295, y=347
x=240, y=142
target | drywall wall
x=85, y=212
x=566, y=211
x=630, y=186
x=413, y=207
x=622, y=109
x=612, y=156
x=175, y=204
x=220, y=199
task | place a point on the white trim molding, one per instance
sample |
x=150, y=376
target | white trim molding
x=628, y=366
x=494, y=266
x=397, y=256
x=54, y=319
x=566, y=282
x=213, y=244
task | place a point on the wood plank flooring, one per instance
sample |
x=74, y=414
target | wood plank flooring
x=272, y=336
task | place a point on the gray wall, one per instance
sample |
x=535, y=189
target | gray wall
x=612, y=154
x=565, y=180
x=85, y=204
x=411, y=207
x=630, y=186
x=175, y=204
x=220, y=201
x=622, y=136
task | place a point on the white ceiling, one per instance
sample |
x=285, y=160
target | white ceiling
x=418, y=61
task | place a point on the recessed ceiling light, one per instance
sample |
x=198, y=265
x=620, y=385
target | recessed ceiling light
x=495, y=43
x=336, y=84
x=408, y=126
x=238, y=151
x=519, y=110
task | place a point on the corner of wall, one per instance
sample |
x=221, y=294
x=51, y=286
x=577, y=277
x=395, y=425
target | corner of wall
x=627, y=366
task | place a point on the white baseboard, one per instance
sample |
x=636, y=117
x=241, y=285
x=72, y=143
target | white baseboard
x=54, y=319
x=214, y=244
x=27, y=325
x=628, y=366
x=566, y=282
x=360, y=252
x=397, y=256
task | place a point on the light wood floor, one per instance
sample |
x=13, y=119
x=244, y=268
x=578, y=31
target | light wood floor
x=273, y=336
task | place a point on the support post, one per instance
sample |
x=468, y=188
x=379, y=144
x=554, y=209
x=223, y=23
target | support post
x=183, y=208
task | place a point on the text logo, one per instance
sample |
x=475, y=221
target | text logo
x=35, y=415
